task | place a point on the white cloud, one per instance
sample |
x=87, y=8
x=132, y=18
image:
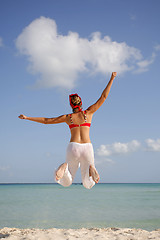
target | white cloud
x=100, y=161
x=118, y=148
x=144, y=64
x=1, y=42
x=58, y=59
x=153, y=145
x=104, y=150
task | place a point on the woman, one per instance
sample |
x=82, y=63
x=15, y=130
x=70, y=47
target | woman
x=80, y=150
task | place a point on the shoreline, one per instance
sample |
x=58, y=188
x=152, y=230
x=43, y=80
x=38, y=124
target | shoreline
x=82, y=233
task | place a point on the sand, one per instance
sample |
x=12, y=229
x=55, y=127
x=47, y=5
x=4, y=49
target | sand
x=84, y=233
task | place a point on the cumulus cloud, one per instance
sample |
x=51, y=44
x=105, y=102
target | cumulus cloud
x=118, y=148
x=144, y=64
x=59, y=59
x=1, y=42
x=153, y=145
x=104, y=152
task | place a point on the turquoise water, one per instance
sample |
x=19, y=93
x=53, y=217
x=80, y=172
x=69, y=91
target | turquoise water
x=105, y=205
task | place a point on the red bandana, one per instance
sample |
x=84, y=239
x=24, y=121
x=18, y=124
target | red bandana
x=72, y=105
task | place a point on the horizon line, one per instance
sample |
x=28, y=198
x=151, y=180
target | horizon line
x=80, y=183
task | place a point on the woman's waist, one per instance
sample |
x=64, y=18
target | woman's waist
x=80, y=136
x=80, y=140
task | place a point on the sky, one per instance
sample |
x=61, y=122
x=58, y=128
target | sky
x=50, y=49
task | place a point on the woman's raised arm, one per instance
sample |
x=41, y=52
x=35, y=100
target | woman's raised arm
x=93, y=108
x=55, y=120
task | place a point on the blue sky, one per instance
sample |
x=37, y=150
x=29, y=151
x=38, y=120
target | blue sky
x=49, y=49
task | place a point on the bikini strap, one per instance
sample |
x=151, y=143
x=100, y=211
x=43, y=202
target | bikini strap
x=71, y=118
x=85, y=117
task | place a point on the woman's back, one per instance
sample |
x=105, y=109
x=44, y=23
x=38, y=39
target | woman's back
x=79, y=124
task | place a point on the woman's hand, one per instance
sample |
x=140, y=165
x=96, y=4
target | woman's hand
x=114, y=74
x=22, y=116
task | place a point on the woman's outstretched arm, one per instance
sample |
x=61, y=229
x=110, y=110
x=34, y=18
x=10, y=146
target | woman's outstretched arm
x=93, y=108
x=55, y=120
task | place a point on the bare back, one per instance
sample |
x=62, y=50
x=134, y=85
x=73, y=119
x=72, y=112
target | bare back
x=80, y=134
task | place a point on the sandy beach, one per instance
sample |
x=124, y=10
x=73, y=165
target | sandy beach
x=84, y=233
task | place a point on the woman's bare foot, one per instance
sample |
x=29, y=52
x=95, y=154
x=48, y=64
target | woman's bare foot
x=60, y=171
x=94, y=174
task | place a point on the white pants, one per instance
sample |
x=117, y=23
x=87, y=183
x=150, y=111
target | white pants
x=78, y=154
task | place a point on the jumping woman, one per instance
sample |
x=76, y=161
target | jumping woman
x=79, y=150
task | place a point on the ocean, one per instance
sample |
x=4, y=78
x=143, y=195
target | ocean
x=105, y=205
